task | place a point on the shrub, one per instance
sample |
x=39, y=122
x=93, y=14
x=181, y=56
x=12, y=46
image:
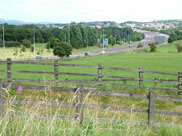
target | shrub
x=62, y=49
x=23, y=49
x=11, y=44
x=153, y=47
x=179, y=47
x=48, y=45
x=53, y=42
x=142, y=50
x=32, y=48
x=26, y=43
x=86, y=54
x=140, y=46
x=16, y=52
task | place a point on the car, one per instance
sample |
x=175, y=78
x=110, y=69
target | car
x=38, y=57
x=103, y=52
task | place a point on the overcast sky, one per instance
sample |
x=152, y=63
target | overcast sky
x=65, y=11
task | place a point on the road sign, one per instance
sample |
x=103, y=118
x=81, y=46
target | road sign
x=105, y=41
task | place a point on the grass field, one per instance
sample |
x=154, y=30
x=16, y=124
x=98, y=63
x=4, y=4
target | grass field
x=41, y=50
x=166, y=59
x=17, y=124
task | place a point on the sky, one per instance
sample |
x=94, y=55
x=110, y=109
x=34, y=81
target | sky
x=66, y=11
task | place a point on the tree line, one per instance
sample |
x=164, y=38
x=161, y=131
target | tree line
x=175, y=36
x=78, y=36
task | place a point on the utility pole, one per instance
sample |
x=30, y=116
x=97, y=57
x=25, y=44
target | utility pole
x=4, y=50
x=115, y=38
x=103, y=40
x=87, y=37
x=65, y=36
x=69, y=34
x=128, y=39
x=34, y=41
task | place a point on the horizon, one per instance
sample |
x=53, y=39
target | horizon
x=46, y=22
x=67, y=11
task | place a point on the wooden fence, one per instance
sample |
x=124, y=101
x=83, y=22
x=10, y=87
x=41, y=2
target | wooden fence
x=99, y=79
x=80, y=105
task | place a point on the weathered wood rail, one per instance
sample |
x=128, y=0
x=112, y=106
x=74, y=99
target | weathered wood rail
x=80, y=105
x=100, y=79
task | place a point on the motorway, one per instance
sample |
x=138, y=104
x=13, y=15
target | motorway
x=149, y=38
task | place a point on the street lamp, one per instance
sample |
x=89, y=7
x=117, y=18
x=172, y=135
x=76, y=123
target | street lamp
x=4, y=48
x=103, y=42
x=34, y=40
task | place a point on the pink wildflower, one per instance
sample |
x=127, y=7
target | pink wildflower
x=19, y=90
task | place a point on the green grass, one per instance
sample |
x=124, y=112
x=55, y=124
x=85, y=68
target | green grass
x=55, y=127
x=27, y=54
x=18, y=124
x=46, y=52
x=166, y=59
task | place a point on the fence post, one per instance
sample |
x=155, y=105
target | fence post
x=9, y=69
x=140, y=77
x=124, y=81
x=151, y=110
x=1, y=97
x=99, y=75
x=56, y=74
x=79, y=105
x=155, y=81
x=179, y=82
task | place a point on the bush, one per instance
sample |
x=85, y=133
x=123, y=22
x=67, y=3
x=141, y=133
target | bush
x=86, y=54
x=140, y=46
x=11, y=44
x=26, y=43
x=32, y=48
x=62, y=49
x=153, y=47
x=141, y=50
x=48, y=45
x=53, y=42
x=179, y=47
x=23, y=49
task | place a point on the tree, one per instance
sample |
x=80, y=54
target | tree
x=179, y=47
x=62, y=49
x=26, y=43
x=153, y=47
x=53, y=42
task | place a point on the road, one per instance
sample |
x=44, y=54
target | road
x=149, y=38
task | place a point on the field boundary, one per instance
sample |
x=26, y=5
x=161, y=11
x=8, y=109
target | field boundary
x=99, y=79
x=80, y=105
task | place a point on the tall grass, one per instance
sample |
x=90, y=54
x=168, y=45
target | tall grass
x=23, y=120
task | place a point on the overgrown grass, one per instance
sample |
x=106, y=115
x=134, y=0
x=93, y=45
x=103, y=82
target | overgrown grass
x=25, y=120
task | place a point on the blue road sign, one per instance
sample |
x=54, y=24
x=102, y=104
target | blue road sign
x=105, y=41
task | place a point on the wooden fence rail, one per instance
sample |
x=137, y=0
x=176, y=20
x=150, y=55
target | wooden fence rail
x=80, y=105
x=100, y=77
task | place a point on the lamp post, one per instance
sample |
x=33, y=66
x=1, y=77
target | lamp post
x=4, y=48
x=87, y=38
x=103, y=41
x=34, y=40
